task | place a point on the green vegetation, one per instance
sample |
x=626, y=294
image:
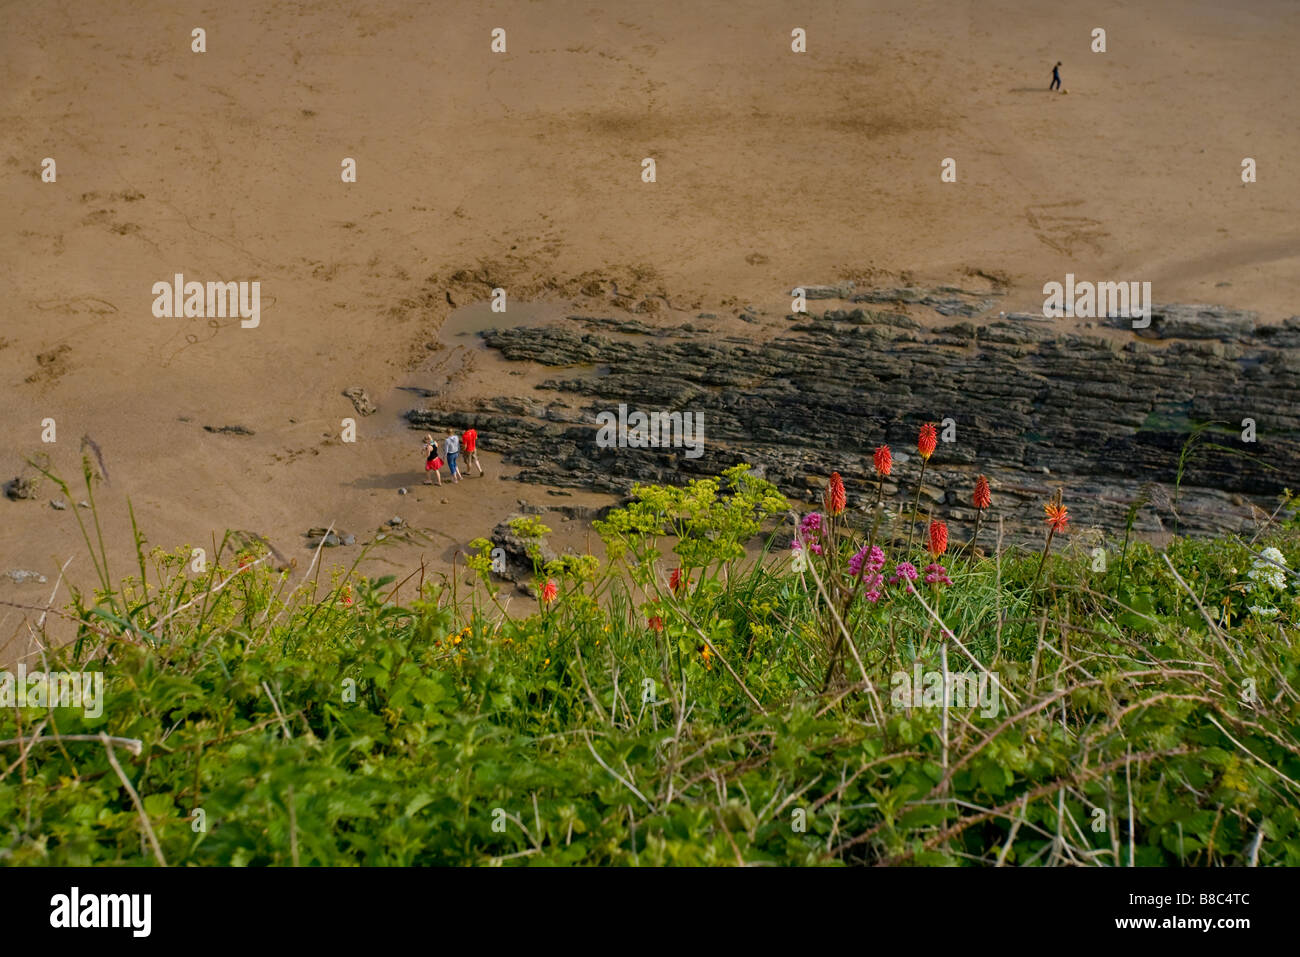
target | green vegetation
x=683, y=706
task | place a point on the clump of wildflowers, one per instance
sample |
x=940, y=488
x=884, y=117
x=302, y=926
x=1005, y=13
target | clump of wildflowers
x=1266, y=571
x=936, y=574
x=903, y=571
x=1267, y=574
x=867, y=559
x=810, y=533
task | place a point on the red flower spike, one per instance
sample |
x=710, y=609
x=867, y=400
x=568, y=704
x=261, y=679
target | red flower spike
x=884, y=460
x=835, y=496
x=927, y=441
x=938, y=538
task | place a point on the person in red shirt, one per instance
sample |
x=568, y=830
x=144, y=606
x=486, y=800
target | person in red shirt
x=469, y=448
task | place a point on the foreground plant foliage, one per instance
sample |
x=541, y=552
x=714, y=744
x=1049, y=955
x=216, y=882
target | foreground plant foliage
x=683, y=706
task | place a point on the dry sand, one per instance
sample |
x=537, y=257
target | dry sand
x=773, y=168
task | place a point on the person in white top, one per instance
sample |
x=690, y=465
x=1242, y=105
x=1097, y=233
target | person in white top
x=452, y=447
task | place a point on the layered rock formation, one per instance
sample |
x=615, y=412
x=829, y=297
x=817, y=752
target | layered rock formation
x=1035, y=404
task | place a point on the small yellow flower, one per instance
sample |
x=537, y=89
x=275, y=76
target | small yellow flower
x=546, y=662
x=456, y=640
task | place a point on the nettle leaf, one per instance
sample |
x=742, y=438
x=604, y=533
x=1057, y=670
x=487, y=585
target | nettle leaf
x=995, y=779
x=158, y=805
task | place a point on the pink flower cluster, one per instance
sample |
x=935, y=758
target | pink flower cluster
x=872, y=561
x=903, y=571
x=866, y=564
x=936, y=574
x=810, y=531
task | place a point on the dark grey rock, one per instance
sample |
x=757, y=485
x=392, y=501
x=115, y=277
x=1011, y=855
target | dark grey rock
x=841, y=290
x=21, y=487
x=316, y=537
x=519, y=552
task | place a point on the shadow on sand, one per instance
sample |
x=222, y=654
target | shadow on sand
x=409, y=478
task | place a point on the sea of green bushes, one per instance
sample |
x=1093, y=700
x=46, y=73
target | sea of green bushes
x=680, y=701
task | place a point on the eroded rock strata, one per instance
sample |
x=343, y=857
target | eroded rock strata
x=1035, y=405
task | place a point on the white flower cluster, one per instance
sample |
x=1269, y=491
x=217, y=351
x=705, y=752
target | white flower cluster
x=1264, y=570
x=1269, y=571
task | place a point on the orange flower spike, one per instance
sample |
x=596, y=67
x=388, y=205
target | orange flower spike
x=656, y=623
x=835, y=497
x=883, y=459
x=927, y=441
x=938, y=538
x=982, y=496
x=549, y=592
x=1057, y=516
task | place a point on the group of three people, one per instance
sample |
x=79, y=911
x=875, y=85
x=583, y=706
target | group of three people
x=454, y=444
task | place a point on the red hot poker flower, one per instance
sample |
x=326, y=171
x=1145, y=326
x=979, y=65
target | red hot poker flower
x=835, y=496
x=1056, y=516
x=656, y=623
x=938, y=538
x=982, y=497
x=677, y=581
x=927, y=441
x=884, y=460
x=549, y=592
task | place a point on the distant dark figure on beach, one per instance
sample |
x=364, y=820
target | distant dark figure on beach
x=469, y=448
x=1056, y=77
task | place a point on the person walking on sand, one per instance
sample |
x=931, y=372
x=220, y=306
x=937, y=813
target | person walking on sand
x=452, y=446
x=469, y=448
x=1056, y=77
x=432, y=461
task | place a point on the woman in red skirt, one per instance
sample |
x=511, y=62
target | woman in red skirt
x=432, y=461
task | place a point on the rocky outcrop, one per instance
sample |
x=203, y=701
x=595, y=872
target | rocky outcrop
x=1198, y=322
x=519, y=552
x=1032, y=404
x=327, y=538
x=360, y=400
